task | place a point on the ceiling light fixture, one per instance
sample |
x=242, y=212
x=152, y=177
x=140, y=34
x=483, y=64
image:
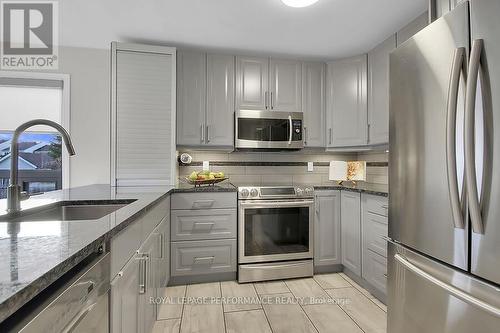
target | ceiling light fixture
x=299, y=3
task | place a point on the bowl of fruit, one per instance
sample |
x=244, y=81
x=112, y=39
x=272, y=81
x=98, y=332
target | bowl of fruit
x=198, y=178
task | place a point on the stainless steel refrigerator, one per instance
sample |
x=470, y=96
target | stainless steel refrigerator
x=444, y=182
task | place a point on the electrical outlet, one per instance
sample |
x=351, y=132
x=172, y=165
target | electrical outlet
x=310, y=166
x=206, y=165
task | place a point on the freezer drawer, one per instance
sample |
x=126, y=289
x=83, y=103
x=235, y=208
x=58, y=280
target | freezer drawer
x=427, y=296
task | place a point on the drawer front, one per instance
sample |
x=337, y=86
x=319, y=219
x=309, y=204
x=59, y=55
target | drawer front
x=154, y=216
x=203, y=257
x=376, y=271
x=376, y=204
x=203, y=224
x=375, y=227
x=204, y=200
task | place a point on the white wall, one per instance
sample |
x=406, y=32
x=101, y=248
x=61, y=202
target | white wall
x=90, y=116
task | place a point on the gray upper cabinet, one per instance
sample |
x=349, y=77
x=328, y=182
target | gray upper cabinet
x=313, y=103
x=205, y=99
x=327, y=229
x=220, y=100
x=347, y=124
x=268, y=84
x=351, y=231
x=252, y=79
x=378, y=92
x=191, y=98
x=412, y=28
x=285, y=83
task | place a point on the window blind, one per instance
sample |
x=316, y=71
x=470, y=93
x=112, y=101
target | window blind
x=144, y=118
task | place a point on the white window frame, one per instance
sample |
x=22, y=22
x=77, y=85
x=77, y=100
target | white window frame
x=65, y=120
x=142, y=48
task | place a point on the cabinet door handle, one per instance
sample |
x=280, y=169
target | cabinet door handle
x=162, y=253
x=143, y=274
x=265, y=99
x=202, y=135
x=208, y=135
x=272, y=106
x=305, y=135
x=330, y=136
x=368, y=135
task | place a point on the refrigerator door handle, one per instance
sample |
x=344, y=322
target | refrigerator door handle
x=470, y=169
x=451, y=123
x=448, y=288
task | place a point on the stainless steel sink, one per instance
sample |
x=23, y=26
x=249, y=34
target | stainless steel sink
x=72, y=211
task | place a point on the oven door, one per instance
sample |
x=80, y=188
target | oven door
x=275, y=230
x=268, y=130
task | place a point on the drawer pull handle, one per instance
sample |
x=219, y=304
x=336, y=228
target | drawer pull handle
x=385, y=206
x=204, y=223
x=204, y=258
x=203, y=203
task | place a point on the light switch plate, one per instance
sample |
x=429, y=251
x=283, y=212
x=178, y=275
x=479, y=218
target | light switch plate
x=310, y=166
x=206, y=165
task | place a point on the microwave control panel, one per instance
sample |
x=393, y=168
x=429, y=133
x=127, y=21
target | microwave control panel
x=296, y=130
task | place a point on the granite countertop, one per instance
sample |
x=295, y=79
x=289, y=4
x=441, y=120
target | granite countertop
x=37, y=253
x=370, y=188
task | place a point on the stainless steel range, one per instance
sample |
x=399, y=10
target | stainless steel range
x=275, y=232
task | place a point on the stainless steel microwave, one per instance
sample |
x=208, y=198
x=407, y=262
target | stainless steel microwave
x=256, y=129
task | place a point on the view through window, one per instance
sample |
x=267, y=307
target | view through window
x=40, y=154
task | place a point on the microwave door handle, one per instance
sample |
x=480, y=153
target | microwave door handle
x=290, y=134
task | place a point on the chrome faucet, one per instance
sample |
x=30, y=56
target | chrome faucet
x=14, y=194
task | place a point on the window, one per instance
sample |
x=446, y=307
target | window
x=25, y=96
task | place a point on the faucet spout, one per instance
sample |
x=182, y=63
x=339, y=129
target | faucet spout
x=14, y=191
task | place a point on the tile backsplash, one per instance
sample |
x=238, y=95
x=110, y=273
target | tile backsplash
x=288, y=168
x=376, y=174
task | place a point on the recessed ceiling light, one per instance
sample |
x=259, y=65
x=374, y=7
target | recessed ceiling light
x=299, y=3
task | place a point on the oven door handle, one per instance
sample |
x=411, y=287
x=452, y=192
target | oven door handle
x=290, y=134
x=276, y=204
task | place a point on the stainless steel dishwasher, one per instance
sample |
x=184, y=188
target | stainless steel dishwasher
x=79, y=305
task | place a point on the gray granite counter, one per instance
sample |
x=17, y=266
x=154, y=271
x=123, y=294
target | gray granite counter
x=37, y=253
x=370, y=188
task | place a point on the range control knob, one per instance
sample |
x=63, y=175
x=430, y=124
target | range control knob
x=299, y=191
x=244, y=193
x=254, y=192
x=309, y=190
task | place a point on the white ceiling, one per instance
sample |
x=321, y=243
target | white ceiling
x=328, y=29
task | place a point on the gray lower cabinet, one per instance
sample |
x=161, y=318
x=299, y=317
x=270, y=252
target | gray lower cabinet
x=203, y=234
x=140, y=267
x=125, y=299
x=327, y=249
x=351, y=231
x=203, y=257
x=313, y=103
x=374, y=230
x=347, y=124
x=378, y=92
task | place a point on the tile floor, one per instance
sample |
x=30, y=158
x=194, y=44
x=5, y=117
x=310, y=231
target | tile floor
x=325, y=303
